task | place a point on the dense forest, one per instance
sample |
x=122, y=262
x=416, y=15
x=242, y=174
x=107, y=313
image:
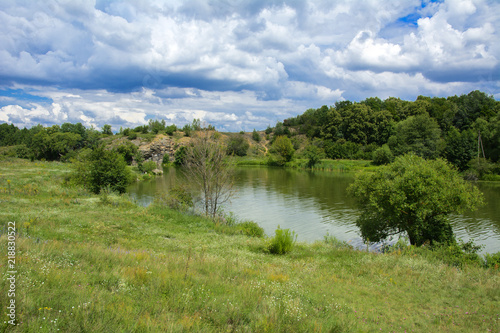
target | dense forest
x=457, y=128
x=464, y=129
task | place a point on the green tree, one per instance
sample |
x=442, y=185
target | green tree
x=128, y=150
x=418, y=134
x=52, y=145
x=100, y=168
x=106, y=130
x=9, y=135
x=255, y=136
x=314, y=154
x=187, y=129
x=155, y=126
x=331, y=127
x=412, y=196
x=180, y=156
x=237, y=145
x=460, y=147
x=170, y=129
x=382, y=155
x=283, y=147
x=356, y=123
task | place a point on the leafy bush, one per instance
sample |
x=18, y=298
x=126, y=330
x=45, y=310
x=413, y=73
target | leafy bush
x=313, y=154
x=255, y=136
x=100, y=168
x=382, y=155
x=187, y=129
x=283, y=148
x=132, y=136
x=336, y=243
x=250, y=228
x=282, y=242
x=170, y=129
x=492, y=260
x=128, y=151
x=237, y=146
x=149, y=166
x=178, y=198
x=22, y=151
x=180, y=155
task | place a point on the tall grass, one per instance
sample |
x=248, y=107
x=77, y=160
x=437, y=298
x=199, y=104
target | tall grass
x=86, y=264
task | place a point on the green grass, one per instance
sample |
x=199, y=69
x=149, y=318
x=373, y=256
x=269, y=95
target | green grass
x=85, y=264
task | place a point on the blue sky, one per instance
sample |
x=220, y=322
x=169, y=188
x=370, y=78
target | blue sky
x=238, y=65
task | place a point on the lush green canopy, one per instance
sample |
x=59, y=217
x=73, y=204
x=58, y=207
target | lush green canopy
x=412, y=196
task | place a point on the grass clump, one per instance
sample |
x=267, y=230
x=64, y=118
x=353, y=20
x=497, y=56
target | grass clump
x=250, y=228
x=282, y=242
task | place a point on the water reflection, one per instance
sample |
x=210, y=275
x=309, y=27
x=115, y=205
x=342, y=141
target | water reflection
x=316, y=203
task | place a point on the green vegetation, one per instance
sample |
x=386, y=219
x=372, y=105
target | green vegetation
x=89, y=264
x=282, y=242
x=451, y=128
x=282, y=150
x=460, y=129
x=412, y=196
x=209, y=171
x=99, y=168
x=237, y=145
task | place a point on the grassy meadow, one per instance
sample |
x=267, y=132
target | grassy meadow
x=100, y=263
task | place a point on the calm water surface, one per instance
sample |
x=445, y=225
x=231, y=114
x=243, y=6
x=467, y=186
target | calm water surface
x=316, y=203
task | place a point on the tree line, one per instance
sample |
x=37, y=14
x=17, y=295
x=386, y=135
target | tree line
x=452, y=128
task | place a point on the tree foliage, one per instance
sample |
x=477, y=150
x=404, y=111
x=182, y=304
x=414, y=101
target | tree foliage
x=418, y=134
x=237, y=145
x=283, y=148
x=412, y=196
x=100, y=168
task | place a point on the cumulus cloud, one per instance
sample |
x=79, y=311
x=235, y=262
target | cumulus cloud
x=240, y=64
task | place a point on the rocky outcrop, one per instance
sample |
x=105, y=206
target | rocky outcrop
x=157, y=149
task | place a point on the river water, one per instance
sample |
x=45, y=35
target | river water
x=316, y=203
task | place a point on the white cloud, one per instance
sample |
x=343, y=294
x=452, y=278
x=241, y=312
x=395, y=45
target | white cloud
x=256, y=62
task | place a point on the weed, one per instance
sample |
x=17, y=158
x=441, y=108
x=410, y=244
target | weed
x=283, y=241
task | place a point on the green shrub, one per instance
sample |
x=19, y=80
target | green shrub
x=99, y=168
x=178, y=198
x=170, y=129
x=336, y=243
x=132, y=136
x=22, y=151
x=128, y=151
x=255, y=136
x=382, y=155
x=282, y=242
x=149, y=166
x=492, y=260
x=283, y=151
x=250, y=228
x=180, y=155
x=238, y=146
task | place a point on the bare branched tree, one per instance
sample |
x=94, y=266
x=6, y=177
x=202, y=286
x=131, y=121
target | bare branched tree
x=209, y=170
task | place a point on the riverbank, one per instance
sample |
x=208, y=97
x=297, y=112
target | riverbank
x=101, y=263
x=301, y=163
